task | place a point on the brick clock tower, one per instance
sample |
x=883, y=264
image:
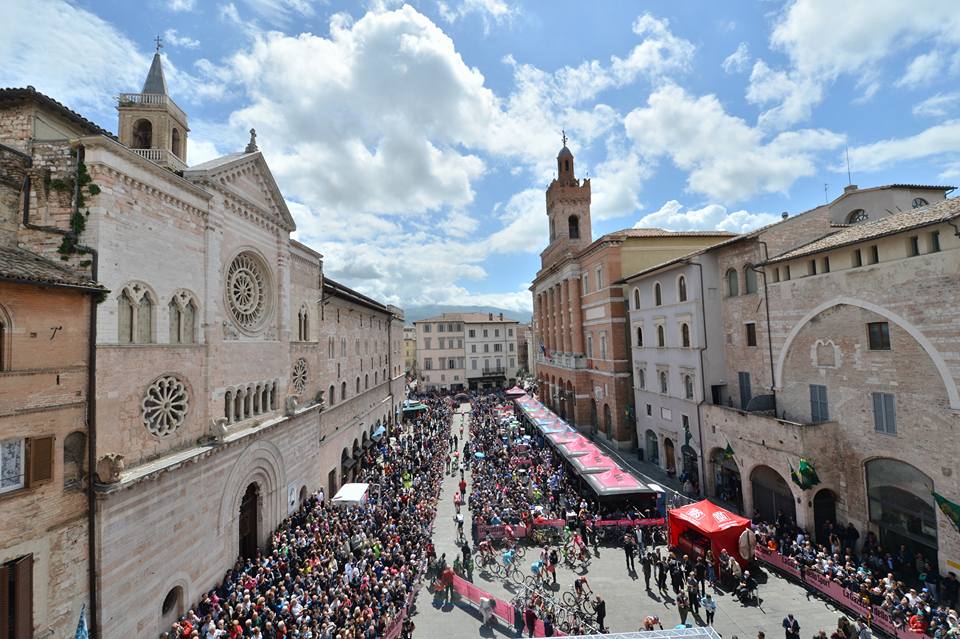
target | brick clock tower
x=568, y=207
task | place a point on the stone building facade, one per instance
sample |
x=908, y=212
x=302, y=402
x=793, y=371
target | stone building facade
x=467, y=350
x=582, y=341
x=410, y=350
x=864, y=338
x=45, y=319
x=233, y=378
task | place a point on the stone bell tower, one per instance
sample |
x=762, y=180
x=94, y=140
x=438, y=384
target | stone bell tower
x=151, y=123
x=568, y=208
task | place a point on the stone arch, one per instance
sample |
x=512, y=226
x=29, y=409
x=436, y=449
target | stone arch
x=771, y=493
x=262, y=463
x=636, y=299
x=176, y=143
x=681, y=288
x=6, y=339
x=142, y=134
x=951, y=387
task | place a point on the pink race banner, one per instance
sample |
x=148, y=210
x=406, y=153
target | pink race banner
x=877, y=617
x=499, y=532
x=629, y=522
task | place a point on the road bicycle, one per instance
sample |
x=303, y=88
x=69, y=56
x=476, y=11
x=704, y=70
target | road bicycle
x=546, y=536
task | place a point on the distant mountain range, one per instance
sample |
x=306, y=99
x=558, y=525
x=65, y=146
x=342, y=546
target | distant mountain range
x=413, y=314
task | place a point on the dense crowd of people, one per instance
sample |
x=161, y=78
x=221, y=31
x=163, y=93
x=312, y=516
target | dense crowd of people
x=902, y=583
x=339, y=573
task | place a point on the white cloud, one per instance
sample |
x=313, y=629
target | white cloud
x=497, y=11
x=69, y=54
x=280, y=12
x=936, y=140
x=525, y=227
x=459, y=224
x=862, y=33
x=172, y=38
x=737, y=61
x=707, y=218
x=794, y=94
x=659, y=53
x=727, y=160
x=937, y=105
x=181, y=5
x=922, y=69
x=616, y=187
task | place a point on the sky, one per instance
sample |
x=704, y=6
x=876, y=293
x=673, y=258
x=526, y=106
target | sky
x=414, y=141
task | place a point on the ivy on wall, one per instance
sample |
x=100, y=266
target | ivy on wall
x=85, y=187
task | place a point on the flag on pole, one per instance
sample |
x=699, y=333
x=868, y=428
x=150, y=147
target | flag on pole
x=950, y=509
x=728, y=451
x=82, y=631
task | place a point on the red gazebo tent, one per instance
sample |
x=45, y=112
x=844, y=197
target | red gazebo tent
x=705, y=519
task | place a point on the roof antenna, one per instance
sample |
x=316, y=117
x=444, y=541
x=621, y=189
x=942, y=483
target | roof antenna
x=846, y=150
x=826, y=199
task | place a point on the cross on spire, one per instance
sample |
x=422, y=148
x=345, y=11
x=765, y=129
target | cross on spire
x=564, y=135
x=159, y=43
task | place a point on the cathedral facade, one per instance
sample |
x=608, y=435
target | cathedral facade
x=232, y=378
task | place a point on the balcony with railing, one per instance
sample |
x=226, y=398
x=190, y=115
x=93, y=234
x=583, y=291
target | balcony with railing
x=494, y=372
x=162, y=157
x=151, y=100
x=570, y=361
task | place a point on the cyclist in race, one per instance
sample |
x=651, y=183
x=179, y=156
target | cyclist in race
x=508, y=556
x=538, y=568
x=579, y=585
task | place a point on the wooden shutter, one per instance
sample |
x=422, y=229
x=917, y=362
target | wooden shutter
x=5, y=602
x=40, y=461
x=879, y=424
x=23, y=598
x=814, y=407
x=889, y=414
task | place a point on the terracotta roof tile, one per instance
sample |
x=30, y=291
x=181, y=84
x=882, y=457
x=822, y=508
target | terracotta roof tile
x=23, y=266
x=14, y=94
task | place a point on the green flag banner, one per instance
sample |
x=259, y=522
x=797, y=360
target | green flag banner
x=950, y=509
x=728, y=451
x=805, y=476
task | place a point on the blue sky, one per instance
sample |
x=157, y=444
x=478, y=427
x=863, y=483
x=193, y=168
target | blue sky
x=413, y=142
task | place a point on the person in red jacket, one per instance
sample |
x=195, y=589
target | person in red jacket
x=446, y=578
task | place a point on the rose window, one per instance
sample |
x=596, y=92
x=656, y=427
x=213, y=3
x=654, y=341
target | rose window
x=247, y=291
x=300, y=375
x=165, y=406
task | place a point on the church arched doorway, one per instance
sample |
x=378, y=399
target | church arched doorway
x=772, y=498
x=249, y=521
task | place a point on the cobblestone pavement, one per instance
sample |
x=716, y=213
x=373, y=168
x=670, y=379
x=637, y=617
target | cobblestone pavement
x=627, y=601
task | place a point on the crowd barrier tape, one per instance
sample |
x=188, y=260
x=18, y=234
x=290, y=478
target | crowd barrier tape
x=876, y=617
x=629, y=522
x=485, y=531
x=501, y=609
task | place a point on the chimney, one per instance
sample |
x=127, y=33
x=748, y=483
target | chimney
x=501, y=317
x=784, y=215
x=489, y=317
x=850, y=187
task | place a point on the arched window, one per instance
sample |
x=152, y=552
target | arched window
x=641, y=378
x=663, y=382
x=688, y=386
x=343, y=390
x=857, y=215
x=749, y=279
x=639, y=336
x=6, y=331
x=636, y=299
x=142, y=134
x=657, y=295
x=303, y=324
x=134, y=315
x=685, y=335
x=376, y=375
x=183, y=319
x=682, y=289
x=171, y=609
x=661, y=337
x=733, y=283
x=366, y=381
x=573, y=227
x=331, y=397
x=74, y=453
x=175, y=143
x=358, y=384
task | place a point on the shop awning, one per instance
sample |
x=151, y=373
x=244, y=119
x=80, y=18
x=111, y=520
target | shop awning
x=593, y=463
x=615, y=482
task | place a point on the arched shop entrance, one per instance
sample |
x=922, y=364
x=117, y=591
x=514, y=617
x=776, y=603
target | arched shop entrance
x=691, y=466
x=727, y=486
x=771, y=495
x=902, y=506
x=652, y=447
x=669, y=457
x=824, y=510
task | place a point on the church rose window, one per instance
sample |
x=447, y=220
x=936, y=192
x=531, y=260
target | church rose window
x=248, y=291
x=165, y=406
x=300, y=375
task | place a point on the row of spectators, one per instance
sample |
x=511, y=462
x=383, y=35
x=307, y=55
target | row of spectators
x=901, y=582
x=339, y=572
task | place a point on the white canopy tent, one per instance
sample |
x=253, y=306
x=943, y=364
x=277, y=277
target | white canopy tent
x=351, y=495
